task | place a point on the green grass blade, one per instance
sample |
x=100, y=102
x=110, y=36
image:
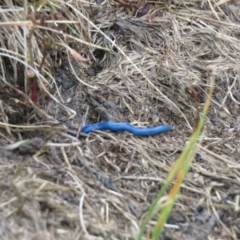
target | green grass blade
x=178, y=171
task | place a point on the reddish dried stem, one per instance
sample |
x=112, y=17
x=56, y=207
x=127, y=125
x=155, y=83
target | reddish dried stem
x=141, y=8
x=125, y=4
x=34, y=90
x=35, y=82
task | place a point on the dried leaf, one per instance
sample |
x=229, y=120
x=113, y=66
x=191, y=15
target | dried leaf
x=30, y=73
x=77, y=56
x=143, y=10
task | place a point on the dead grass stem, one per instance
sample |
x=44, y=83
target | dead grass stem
x=103, y=63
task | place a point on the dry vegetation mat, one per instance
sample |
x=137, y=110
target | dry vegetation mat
x=82, y=62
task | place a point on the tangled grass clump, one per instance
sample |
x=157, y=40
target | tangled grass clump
x=147, y=63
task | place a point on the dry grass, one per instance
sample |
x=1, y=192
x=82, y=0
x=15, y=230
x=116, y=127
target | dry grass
x=102, y=63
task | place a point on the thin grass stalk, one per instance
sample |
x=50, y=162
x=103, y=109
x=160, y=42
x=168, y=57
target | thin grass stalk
x=178, y=171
